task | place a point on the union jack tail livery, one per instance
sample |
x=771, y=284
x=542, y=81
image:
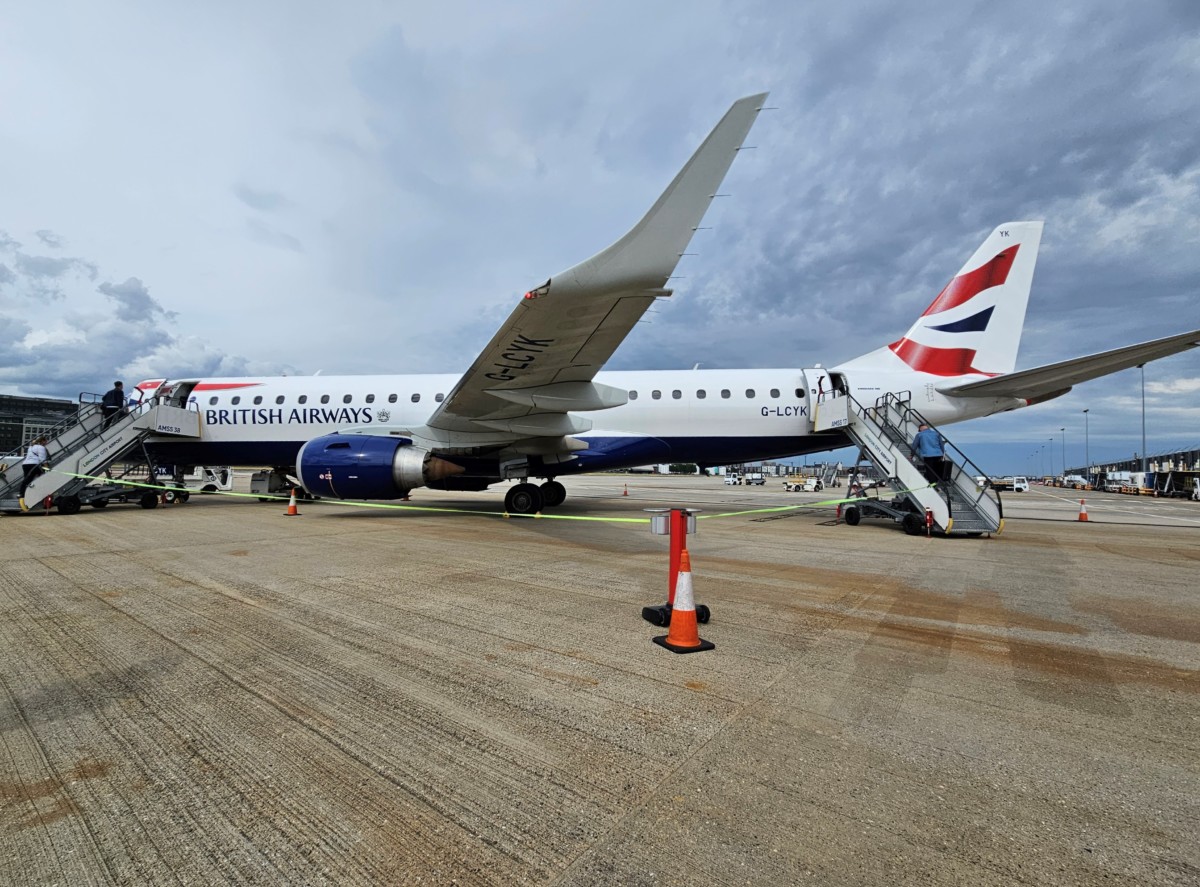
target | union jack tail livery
x=973, y=327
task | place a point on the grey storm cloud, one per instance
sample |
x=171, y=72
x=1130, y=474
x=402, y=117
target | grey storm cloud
x=133, y=337
x=135, y=299
x=261, y=200
x=49, y=238
x=52, y=267
x=6, y=274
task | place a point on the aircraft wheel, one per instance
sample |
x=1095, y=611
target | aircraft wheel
x=553, y=493
x=852, y=515
x=523, y=499
x=913, y=524
x=68, y=504
x=99, y=503
x=148, y=500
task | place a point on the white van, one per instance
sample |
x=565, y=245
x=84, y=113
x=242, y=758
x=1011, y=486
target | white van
x=1020, y=485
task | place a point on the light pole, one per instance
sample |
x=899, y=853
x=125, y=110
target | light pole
x=1064, y=434
x=1087, y=458
x=1050, y=447
x=1142, y=367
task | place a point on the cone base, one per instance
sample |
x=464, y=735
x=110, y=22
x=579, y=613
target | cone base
x=662, y=641
x=660, y=616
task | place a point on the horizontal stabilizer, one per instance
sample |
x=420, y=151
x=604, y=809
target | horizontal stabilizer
x=1058, y=378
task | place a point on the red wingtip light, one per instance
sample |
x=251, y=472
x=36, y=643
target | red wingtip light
x=539, y=291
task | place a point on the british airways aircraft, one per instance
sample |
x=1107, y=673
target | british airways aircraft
x=535, y=403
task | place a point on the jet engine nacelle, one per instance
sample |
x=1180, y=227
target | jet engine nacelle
x=368, y=466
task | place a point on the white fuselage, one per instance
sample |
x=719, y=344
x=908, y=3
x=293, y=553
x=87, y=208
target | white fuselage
x=706, y=416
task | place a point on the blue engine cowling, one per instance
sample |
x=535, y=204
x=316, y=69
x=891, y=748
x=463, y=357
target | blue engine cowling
x=367, y=466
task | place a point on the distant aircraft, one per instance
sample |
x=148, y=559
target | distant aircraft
x=535, y=403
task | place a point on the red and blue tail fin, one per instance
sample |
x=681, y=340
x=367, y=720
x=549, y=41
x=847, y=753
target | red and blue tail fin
x=973, y=327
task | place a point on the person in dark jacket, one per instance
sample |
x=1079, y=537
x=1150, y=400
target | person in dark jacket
x=113, y=403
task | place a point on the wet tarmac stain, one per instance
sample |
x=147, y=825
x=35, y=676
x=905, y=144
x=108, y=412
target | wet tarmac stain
x=696, y=685
x=1144, y=617
x=241, y=552
x=574, y=679
x=883, y=595
x=53, y=787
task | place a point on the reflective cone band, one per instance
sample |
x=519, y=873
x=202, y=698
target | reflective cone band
x=684, y=636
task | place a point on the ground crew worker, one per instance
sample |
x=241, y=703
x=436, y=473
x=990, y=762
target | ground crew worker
x=35, y=458
x=113, y=403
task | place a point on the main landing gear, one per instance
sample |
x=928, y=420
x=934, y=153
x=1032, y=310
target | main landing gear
x=527, y=498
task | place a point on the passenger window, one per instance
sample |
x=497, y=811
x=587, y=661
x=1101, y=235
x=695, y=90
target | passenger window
x=346, y=398
x=416, y=398
x=212, y=401
x=392, y=398
x=656, y=394
x=775, y=392
x=370, y=398
x=324, y=398
x=439, y=397
x=750, y=392
x=701, y=394
x=725, y=393
x=258, y=400
x=235, y=400
x=676, y=394
x=279, y=399
x=633, y=395
x=799, y=392
x=303, y=398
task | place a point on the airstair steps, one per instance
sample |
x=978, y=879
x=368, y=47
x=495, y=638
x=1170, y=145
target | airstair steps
x=82, y=448
x=883, y=433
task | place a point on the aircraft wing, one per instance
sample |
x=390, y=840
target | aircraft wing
x=1042, y=383
x=541, y=364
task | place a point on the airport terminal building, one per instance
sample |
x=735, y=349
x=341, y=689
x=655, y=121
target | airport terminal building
x=24, y=418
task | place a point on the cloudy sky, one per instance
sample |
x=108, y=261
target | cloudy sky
x=230, y=188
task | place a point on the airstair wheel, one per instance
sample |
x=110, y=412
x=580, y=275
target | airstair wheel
x=913, y=524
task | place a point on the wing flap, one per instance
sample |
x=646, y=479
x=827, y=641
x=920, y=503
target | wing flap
x=1057, y=378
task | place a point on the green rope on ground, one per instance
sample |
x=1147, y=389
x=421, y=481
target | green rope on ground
x=161, y=488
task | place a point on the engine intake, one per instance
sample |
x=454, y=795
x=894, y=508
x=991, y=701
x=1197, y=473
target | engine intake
x=368, y=466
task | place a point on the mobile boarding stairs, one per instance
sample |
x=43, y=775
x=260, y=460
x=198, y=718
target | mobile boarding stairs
x=81, y=450
x=957, y=505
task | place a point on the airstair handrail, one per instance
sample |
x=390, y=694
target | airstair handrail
x=960, y=461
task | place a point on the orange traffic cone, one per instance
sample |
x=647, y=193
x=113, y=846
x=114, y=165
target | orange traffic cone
x=683, y=635
x=626, y=493
x=1083, y=509
x=292, y=511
